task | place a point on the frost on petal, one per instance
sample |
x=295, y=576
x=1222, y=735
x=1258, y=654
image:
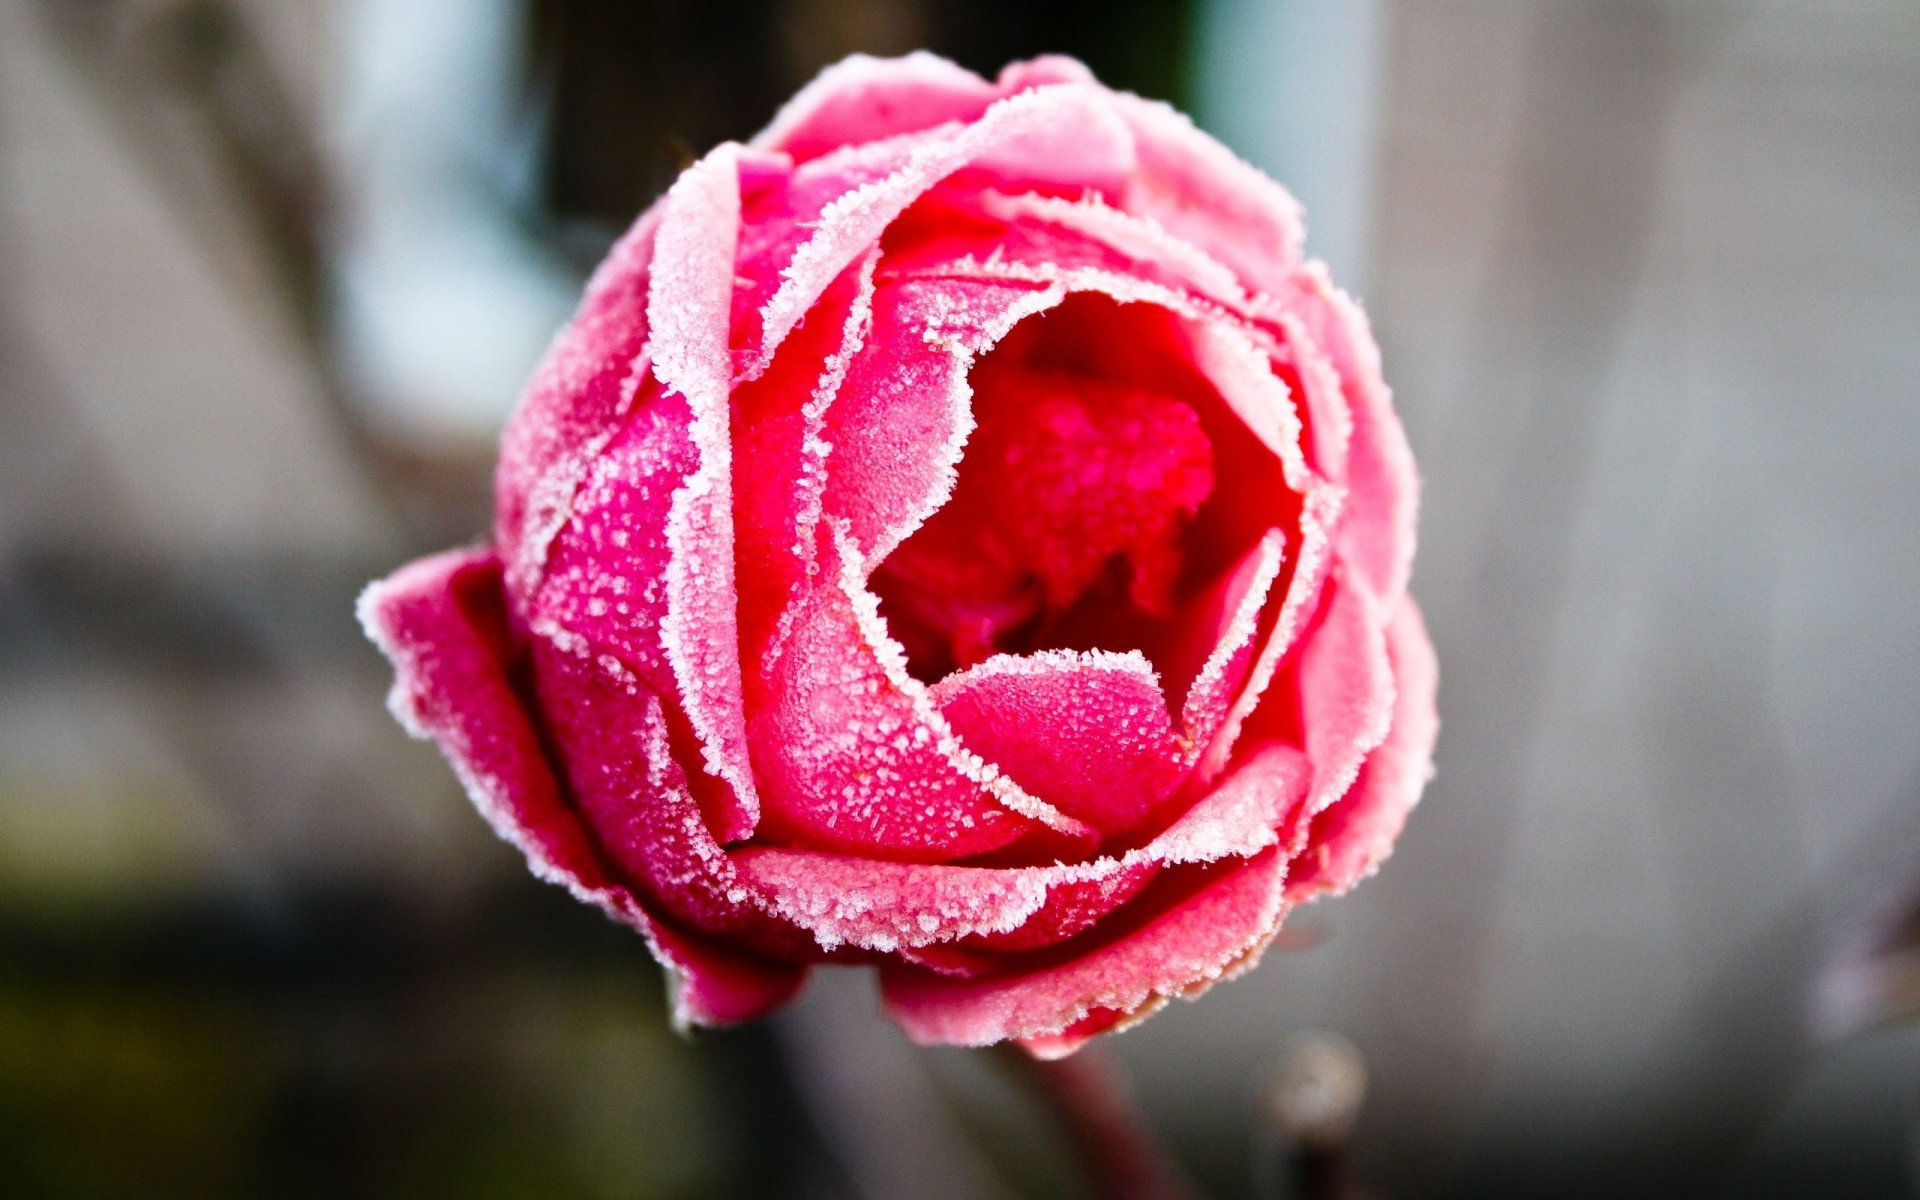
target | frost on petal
x=1199, y=191
x=1342, y=688
x=1377, y=536
x=852, y=752
x=782, y=452
x=1301, y=588
x=442, y=622
x=885, y=906
x=968, y=921
x=624, y=767
x=586, y=383
x=607, y=574
x=688, y=307
x=1087, y=731
x=1065, y=133
x=862, y=99
x=902, y=418
x=1348, y=840
x=1212, y=930
x=1218, y=652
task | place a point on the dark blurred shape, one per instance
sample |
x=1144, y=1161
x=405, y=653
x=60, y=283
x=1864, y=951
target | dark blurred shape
x=632, y=91
x=1311, y=1103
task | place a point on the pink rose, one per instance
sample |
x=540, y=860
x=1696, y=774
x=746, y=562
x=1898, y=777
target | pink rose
x=957, y=534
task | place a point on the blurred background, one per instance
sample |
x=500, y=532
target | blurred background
x=1647, y=277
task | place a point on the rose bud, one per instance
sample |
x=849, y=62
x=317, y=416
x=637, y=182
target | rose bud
x=957, y=534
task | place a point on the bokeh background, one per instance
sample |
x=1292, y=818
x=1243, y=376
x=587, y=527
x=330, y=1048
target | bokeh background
x=1647, y=276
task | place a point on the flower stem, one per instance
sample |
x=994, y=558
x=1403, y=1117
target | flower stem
x=1091, y=1100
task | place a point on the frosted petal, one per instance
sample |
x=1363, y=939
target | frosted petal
x=1200, y=192
x=442, y=622
x=688, y=306
x=1183, y=949
x=1351, y=837
x=843, y=734
x=1087, y=731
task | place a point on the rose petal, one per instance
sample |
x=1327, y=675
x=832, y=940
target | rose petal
x=442, y=622
x=1067, y=134
x=988, y=912
x=1377, y=536
x=688, y=306
x=1087, y=731
x=1351, y=837
x=1225, y=624
x=1302, y=589
x=1181, y=950
x=843, y=733
x=780, y=440
x=1200, y=192
x=586, y=382
x=902, y=417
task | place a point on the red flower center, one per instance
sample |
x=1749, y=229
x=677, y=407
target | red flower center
x=1065, y=526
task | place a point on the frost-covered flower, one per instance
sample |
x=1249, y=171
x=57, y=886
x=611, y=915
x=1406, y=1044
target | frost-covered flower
x=957, y=534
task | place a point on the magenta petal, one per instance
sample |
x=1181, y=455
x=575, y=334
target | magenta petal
x=1226, y=624
x=901, y=420
x=584, y=385
x=1349, y=840
x=442, y=622
x=1182, y=950
x=624, y=767
x=989, y=911
x=1318, y=516
x=842, y=732
x=688, y=306
x=779, y=434
x=1088, y=732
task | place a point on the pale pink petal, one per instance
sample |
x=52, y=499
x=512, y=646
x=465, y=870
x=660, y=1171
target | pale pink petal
x=1346, y=687
x=1086, y=731
x=1351, y=837
x=1200, y=192
x=862, y=99
x=1181, y=950
x=442, y=621
x=1377, y=536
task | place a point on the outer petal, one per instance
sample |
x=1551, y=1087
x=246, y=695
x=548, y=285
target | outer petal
x=1349, y=840
x=1377, y=536
x=581, y=391
x=1181, y=950
x=442, y=622
x=967, y=920
x=1346, y=687
x=1201, y=192
x=1064, y=133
